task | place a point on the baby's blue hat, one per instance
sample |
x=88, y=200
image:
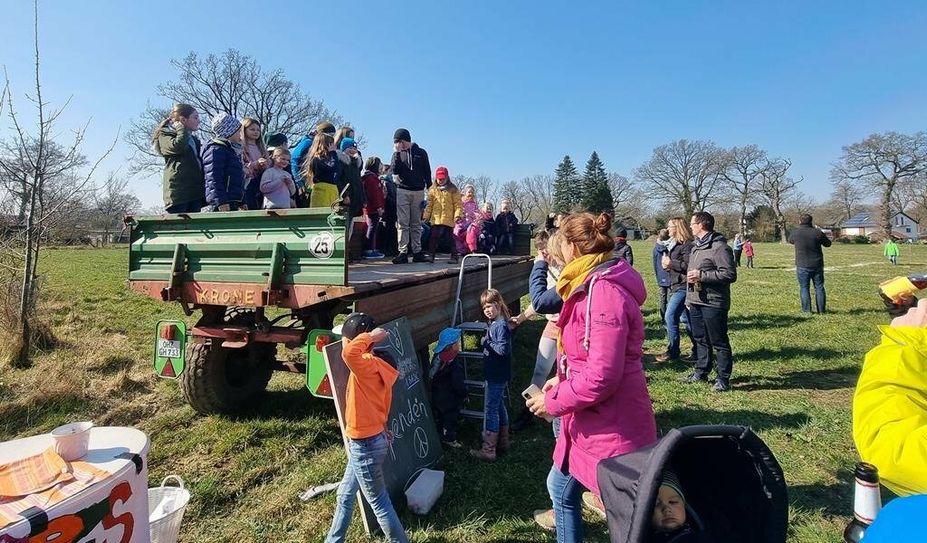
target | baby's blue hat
x=446, y=338
x=348, y=142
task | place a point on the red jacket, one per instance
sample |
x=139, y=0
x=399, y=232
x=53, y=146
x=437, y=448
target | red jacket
x=375, y=197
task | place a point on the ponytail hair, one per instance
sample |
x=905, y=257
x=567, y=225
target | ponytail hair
x=589, y=233
x=178, y=111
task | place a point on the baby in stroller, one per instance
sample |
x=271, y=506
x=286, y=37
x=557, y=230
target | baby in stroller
x=673, y=519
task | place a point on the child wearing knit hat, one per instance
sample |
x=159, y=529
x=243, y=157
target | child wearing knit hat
x=670, y=519
x=222, y=167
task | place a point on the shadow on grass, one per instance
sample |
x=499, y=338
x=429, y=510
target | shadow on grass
x=758, y=420
x=835, y=499
x=787, y=353
x=861, y=311
x=824, y=379
x=292, y=405
x=764, y=322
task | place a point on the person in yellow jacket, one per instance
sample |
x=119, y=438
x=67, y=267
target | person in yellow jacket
x=890, y=404
x=444, y=210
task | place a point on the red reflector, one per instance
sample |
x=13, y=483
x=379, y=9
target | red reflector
x=168, y=370
x=325, y=387
x=168, y=332
x=321, y=342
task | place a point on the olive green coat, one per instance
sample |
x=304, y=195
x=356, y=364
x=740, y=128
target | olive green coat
x=183, y=168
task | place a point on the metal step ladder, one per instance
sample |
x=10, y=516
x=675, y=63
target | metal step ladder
x=472, y=361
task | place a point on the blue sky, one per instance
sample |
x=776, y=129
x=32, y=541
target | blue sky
x=507, y=88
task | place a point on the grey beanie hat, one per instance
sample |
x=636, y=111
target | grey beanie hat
x=671, y=480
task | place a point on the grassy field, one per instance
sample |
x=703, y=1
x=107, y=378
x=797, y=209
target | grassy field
x=793, y=382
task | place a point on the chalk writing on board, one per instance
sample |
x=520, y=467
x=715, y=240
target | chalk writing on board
x=409, y=417
x=395, y=340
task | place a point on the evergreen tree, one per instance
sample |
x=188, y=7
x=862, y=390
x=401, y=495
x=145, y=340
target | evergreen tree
x=567, y=189
x=596, y=194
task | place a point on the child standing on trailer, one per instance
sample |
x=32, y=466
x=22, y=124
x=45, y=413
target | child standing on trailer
x=748, y=252
x=224, y=173
x=256, y=160
x=443, y=211
x=486, y=237
x=471, y=212
x=368, y=398
x=497, y=372
x=277, y=184
x=374, y=208
x=506, y=222
x=448, y=389
x=320, y=171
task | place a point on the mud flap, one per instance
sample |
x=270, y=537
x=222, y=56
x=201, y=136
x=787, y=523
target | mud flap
x=169, y=350
x=317, y=380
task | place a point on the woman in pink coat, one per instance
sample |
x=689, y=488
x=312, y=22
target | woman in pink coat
x=599, y=393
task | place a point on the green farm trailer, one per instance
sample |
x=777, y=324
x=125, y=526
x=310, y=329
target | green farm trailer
x=256, y=279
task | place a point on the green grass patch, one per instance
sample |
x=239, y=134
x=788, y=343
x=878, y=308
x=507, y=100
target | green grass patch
x=793, y=382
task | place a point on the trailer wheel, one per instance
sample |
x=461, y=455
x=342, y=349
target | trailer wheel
x=222, y=380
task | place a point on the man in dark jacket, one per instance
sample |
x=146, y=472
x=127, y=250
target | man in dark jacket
x=708, y=296
x=412, y=173
x=809, y=262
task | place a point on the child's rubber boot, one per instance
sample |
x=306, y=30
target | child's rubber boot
x=488, y=451
x=505, y=442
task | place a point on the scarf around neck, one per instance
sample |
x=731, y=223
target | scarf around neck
x=575, y=273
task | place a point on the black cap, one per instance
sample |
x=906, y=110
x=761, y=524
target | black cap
x=357, y=324
x=275, y=140
x=402, y=135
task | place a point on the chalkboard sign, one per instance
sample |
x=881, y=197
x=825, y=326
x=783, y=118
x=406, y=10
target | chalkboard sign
x=416, y=443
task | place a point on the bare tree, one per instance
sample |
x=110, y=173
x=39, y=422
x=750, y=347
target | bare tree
x=516, y=193
x=234, y=83
x=745, y=164
x=112, y=202
x=777, y=187
x=34, y=158
x=914, y=191
x=539, y=191
x=487, y=189
x=847, y=196
x=685, y=174
x=883, y=161
x=621, y=188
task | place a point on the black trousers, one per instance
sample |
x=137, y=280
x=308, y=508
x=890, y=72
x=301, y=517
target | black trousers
x=709, y=332
x=446, y=420
x=664, y=295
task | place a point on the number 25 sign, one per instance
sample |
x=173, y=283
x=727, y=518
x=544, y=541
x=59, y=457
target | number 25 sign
x=322, y=245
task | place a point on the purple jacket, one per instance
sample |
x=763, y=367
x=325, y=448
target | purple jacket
x=602, y=399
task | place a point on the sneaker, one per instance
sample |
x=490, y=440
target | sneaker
x=545, y=519
x=691, y=358
x=419, y=257
x=721, y=385
x=372, y=255
x=452, y=444
x=694, y=377
x=594, y=502
x=430, y=259
x=401, y=258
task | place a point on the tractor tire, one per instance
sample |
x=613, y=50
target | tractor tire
x=222, y=380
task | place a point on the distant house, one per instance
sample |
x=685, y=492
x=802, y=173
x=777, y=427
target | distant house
x=867, y=224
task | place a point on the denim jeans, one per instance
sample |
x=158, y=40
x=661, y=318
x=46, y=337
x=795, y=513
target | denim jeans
x=494, y=412
x=709, y=331
x=364, y=472
x=506, y=243
x=566, y=493
x=806, y=276
x=675, y=312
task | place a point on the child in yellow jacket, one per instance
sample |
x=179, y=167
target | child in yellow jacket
x=890, y=404
x=367, y=404
x=444, y=210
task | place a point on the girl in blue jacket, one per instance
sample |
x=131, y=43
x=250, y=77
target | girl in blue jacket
x=222, y=166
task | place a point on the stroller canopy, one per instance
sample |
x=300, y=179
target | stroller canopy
x=729, y=477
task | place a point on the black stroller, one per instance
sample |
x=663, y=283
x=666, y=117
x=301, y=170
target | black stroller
x=733, y=485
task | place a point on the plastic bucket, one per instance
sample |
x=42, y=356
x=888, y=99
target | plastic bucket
x=72, y=440
x=166, y=505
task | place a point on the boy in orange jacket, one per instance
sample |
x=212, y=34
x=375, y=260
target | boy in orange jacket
x=369, y=394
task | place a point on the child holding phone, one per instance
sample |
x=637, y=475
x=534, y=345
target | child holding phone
x=497, y=371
